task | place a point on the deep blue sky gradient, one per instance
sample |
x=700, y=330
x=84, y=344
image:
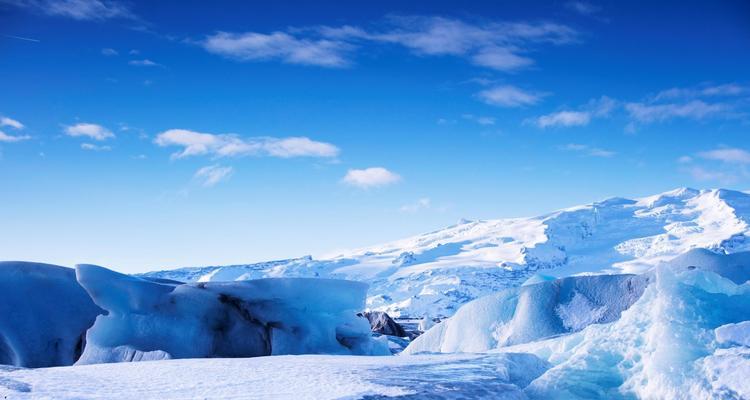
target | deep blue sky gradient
x=134, y=208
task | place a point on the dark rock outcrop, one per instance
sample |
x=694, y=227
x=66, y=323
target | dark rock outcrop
x=383, y=324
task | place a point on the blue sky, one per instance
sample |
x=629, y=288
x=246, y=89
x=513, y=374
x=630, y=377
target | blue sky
x=144, y=135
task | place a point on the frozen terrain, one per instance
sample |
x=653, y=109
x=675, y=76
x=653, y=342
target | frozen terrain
x=499, y=376
x=686, y=335
x=431, y=275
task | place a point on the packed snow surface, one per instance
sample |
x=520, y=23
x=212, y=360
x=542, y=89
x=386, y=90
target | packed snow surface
x=148, y=320
x=44, y=315
x=433, y=274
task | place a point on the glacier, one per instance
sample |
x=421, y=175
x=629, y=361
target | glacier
x=150, y=320
x=432, y=275
x=45, y=315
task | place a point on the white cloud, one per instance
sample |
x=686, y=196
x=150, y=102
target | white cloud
x=478, y=119
x=728, y=155
x=422, y=204
x=508, y=96
x=695, y=109
x=94, y=147
x=370, y=177
x=589, y=150
x=4, y=137
x=213, y=174
x=226, y=145
x=5, y=121
x=93, y=131
x=497, y=45
x=109, y=52
x=685, y=160
x=82, y=10
x=144, y=63
x=282, y=46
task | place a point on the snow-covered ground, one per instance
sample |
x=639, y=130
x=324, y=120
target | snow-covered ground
x=281, y=377
x=433, y=274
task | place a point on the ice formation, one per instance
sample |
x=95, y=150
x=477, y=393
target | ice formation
x=435, y=273
x=149, y=320
x=44, y=315
x=532, y=312
x=686, y=336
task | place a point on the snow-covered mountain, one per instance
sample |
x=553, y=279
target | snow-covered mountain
x=435, y=273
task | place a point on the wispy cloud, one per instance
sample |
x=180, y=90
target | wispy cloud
x=6, y=138
x=588, y=150
x=479, y=119
x=502, y=46
x=252, y=46
x=723, y=90
x=564, y=118
x=727, y=155
x=697, y=103
x=109, y=52
x=144, y=63
x=26, y=39
x=702, y=174
x=370, y=177
x=229, y=145
x=583, y=7
x=84, y=129
x=5, y=121
x=726, y=165
x=595, y=108
x=213, y=174
x=13, y=124
x=509, y=96
x=422, y=204
x=94, y=147
x=695, y=109
x=82, y=10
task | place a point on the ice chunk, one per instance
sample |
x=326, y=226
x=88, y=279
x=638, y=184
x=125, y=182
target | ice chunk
x=662, y=347
x=738, y=333
x=149, y=320
x=44, y=315
x=532, y=312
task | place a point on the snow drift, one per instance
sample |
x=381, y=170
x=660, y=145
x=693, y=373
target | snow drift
x=44, y=315
x=532, y=312
x=149, y=320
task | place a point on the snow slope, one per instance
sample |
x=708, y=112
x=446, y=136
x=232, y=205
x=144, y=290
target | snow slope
x=435, y=273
